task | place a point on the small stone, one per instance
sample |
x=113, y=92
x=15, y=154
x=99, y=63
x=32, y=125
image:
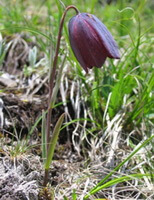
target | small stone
x=7, y=82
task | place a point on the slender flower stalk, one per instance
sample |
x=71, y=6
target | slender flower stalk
x=53, y=71
x=51, y=82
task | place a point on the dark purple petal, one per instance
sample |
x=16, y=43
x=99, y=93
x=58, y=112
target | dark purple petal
x=105, y=36
x=90, y=40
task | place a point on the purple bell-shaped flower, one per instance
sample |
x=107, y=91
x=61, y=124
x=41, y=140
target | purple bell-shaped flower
x=91, y=41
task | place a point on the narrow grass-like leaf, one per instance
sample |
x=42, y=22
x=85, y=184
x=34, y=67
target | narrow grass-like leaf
x=43, y=133
x=34, y=126
x=53, y=141
x=120, y=165
x=116, y=181
x=74, y=195
x=142, y=102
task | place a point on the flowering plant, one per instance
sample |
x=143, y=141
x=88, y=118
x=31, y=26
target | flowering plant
x=91, y=43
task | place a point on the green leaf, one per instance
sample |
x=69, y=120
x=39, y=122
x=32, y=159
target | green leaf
x=99, y=185
x=74, y=195
x=43, y=132
x=53, y=141
x=116, y=181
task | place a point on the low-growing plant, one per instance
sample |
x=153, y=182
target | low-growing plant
x=82, y=28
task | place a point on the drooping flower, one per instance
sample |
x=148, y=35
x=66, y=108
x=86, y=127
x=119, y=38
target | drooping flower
x=91, y=41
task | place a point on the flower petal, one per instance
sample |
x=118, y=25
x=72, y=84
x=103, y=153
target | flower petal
x=105, y=36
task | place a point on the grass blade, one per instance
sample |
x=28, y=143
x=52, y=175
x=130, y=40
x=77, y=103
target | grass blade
x=120, y=165
x=53, y=141
x=116, y=181
x=43, y=132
